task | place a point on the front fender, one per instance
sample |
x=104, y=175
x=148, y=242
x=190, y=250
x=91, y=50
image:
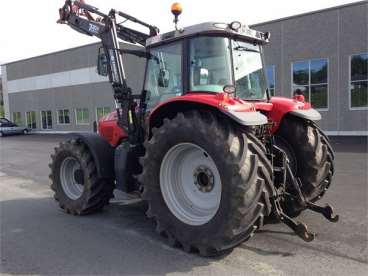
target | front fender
x=101, y=151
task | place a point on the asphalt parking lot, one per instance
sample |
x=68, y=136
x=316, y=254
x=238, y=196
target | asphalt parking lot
x=36, y=237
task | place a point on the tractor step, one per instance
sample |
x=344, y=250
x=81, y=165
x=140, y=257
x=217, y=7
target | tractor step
x=123, y=198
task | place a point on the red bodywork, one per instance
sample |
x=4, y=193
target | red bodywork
x=108, y=128
x=275, y=110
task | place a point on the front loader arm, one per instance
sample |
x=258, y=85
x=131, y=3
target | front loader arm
x=80, y=16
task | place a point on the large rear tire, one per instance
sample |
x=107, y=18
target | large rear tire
x=206, y=183
x=74, y=179
x=314, y=159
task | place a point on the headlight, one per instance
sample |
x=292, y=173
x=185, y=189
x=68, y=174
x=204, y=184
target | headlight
x=229, y=89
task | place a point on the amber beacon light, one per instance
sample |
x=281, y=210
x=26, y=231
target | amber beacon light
x=176, y=10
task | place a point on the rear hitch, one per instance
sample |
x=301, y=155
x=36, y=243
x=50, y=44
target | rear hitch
x=327, y=211
x=299, y=228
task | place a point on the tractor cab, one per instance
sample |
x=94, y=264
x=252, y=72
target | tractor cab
x=208, y=58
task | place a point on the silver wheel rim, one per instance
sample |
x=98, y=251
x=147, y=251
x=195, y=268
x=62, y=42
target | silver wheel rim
x=190, y=184
x=70, y=178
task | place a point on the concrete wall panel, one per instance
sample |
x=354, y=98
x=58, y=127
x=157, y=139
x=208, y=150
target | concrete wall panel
x=334, y=34
x=65, y=80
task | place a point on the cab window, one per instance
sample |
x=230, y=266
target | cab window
x=164, y=74
x=210, y=64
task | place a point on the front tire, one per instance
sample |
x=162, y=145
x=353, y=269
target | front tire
x=74, y=179
x=228, y=206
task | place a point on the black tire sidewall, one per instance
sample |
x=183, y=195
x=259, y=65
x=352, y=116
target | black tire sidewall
x=299, y=133
x=189, y=233
x=73, y=204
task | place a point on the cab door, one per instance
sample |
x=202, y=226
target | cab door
x=164, y=73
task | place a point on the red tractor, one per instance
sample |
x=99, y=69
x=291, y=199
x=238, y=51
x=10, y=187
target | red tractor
x=203, y=144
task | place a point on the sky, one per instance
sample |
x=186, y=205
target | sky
x=28, y=28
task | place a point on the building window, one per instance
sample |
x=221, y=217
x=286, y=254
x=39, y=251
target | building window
x=270, y=71
x=311, y=78
x=359, y=81
x=46, y=119
x=17, y=118
x=102, y=111
x=63, y=117
x=82, y=116
x=31, y=119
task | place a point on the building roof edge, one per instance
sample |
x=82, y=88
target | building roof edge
x=310, y=13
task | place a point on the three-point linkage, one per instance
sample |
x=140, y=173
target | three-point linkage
x=299, y=228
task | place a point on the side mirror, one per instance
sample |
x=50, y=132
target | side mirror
x=102, y=64
x=267, y=35
x=163, y=78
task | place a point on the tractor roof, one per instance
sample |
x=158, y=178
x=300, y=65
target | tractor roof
x=211, y=28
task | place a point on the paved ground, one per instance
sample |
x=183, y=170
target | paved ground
x=38, y=238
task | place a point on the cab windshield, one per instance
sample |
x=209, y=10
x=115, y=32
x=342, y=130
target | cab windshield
x=218, y=61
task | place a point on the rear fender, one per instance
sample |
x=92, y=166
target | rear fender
x=282, y=106
x=101, y=151
x=238, y=111
x=309, y=114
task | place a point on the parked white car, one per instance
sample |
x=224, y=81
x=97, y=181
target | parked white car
x=9, y=128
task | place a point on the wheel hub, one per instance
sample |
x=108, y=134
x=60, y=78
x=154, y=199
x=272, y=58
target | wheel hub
x=78, y=176
x=204, y=179
x=71, y=178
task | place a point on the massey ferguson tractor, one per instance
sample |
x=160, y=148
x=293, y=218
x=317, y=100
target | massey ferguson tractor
x=204, y=144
